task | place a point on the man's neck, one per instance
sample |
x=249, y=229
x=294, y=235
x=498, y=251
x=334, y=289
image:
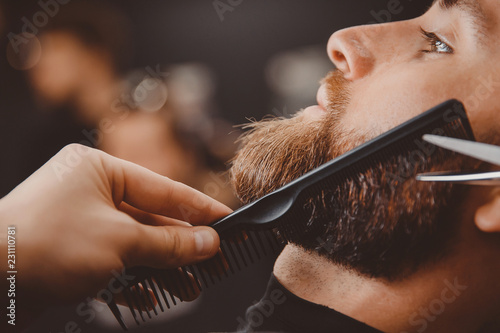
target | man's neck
x=429, y=301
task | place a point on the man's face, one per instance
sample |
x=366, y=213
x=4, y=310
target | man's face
x=398, y=70
x=387, y=74
x=391, y=73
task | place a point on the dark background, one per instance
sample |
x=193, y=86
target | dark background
x=237, y=49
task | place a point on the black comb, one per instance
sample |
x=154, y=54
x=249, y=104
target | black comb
x=263, y=227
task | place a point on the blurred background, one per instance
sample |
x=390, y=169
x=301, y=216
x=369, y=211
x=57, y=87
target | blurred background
x=163, y=84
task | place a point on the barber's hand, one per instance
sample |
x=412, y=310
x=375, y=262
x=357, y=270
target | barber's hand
x=85, y=215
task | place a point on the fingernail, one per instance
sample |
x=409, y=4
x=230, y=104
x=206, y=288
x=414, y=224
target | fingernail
x=204, y=241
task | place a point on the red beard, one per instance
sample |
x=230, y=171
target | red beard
x=276, y=151
x=377, y=226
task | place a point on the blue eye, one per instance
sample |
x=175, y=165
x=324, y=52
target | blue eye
x=436, y=45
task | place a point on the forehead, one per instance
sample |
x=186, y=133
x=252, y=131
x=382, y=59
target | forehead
x=478, y=17
x=477, y=7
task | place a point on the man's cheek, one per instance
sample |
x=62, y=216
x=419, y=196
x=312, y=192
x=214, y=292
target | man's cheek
x=380, y=107
x=382, y=102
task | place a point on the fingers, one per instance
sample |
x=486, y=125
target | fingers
x=150, y=219
x=170, y=246
x=156, y=194
x=143, y=188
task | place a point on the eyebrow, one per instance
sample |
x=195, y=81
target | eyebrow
x=471, y=7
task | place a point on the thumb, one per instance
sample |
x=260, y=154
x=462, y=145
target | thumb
x=171, y=246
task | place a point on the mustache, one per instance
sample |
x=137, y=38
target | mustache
x=338, y=92
x=275, y=151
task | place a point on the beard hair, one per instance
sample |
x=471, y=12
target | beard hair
x=371, y=223
x=276, y=151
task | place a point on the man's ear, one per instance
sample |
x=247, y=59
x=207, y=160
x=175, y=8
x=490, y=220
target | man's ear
x=488, y=215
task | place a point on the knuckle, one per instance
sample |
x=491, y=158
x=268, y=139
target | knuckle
x=169, y=190
x=75, y=153
x=173, y=245
x=70, y=148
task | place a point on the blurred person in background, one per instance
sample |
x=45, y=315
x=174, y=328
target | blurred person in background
x=84, y=49
x=84, y=53
x=171, y=129
x=78, y=84
x=70, y=63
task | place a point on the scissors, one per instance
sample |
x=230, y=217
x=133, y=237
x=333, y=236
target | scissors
x=481, y=151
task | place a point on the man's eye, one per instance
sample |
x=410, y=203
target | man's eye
x=436, y=45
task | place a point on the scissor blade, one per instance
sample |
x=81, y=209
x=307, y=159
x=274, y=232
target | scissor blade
x=484, y=178
x=481, y=151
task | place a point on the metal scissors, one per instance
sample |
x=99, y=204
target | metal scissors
x=481, y=151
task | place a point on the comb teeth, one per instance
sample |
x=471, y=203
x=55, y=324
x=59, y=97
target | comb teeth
x=154, y=289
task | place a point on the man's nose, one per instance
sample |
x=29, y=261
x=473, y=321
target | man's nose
x=349, y=51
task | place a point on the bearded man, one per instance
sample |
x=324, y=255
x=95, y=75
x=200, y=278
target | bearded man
x=401, y=257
